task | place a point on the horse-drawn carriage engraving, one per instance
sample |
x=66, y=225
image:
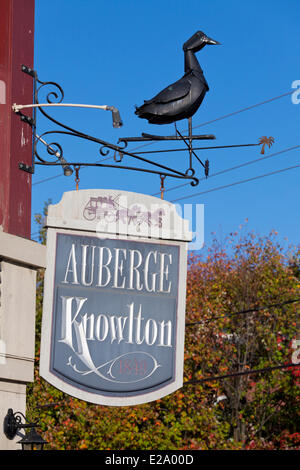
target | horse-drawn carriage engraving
x=108, y=210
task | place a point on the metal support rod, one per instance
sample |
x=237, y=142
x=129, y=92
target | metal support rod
x=190, y=141
x=17, y=107
x=194, y=180
x=116, y=148
x=196, y=148
x=150, y=137
x=190, y=149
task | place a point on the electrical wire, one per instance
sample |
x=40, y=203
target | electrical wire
x=247, y=372
x=234, y=113
x=48, y=179
x=241, y=373
x=213, y=147
x=237, y=182
x=250, y=162
x=243, y=312
x=218, y=377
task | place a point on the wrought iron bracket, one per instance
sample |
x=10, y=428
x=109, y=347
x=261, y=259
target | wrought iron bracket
x=27, y=168
x=55, y=98
x=55, y=155
x=13, y=422
x=26, y=119
x=28, y=70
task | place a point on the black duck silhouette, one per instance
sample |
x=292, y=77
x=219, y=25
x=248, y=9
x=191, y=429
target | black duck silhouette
x=181, y=99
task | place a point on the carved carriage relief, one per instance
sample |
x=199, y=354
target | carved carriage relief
x=108, y=210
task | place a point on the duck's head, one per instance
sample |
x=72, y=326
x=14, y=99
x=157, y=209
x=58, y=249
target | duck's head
x=198, y=41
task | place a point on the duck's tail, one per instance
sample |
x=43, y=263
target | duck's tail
x=141, y=111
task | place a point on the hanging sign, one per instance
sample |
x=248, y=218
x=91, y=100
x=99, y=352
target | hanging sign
x=114, y=297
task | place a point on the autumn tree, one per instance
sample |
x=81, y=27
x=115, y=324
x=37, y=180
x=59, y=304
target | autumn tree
x=239, y=317
x=241, y=301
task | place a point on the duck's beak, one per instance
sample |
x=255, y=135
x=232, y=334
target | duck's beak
x=211, y=41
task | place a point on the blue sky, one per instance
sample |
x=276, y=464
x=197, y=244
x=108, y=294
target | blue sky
x=124, y=51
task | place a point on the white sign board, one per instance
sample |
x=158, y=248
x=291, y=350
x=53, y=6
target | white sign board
x=114, y=297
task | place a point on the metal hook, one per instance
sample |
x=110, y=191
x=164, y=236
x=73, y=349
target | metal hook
x=116, y=159
x=162, y=187
x=77, y=179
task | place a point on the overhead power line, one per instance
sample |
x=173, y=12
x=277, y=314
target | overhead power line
x=48, y=179
x=250, y=162
x=213, y=147
x=240, y=373
x=234, y=113
x=208, y=379
x=237, y=182
x=244, y=312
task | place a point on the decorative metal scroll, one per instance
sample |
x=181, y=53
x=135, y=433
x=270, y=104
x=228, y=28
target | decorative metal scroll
x=55, y=150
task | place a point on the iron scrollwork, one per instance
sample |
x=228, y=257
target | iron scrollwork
x=55, y=151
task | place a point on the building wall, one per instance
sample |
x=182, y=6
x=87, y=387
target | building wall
x=12, y=395
x=19, y=260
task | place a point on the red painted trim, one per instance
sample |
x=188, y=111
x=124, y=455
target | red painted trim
x=16, y=48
